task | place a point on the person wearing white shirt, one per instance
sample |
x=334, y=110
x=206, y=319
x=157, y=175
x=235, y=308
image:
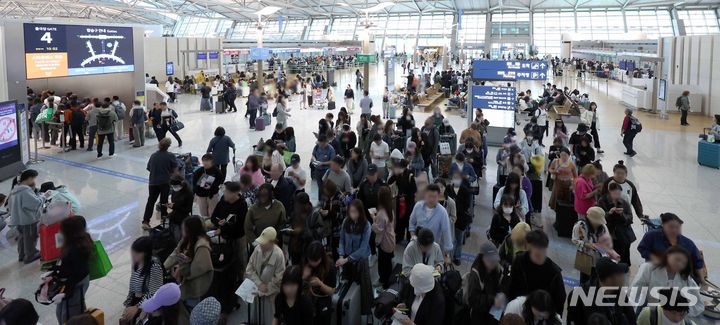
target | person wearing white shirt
x=379, y=153
x=542, y=122
x=295, y=172
x=366, y=104
x=170, y=89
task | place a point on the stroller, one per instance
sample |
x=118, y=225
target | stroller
x=319, y=101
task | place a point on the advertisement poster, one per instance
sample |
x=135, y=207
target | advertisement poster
x=9, y=143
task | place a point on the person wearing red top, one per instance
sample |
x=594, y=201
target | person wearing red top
x=585, y=191
x=628, y=133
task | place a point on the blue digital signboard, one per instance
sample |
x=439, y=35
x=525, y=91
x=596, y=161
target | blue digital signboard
x=259, y=53
x=509, y=70
x=213, y=55
x=202, y=56
x=492, y=97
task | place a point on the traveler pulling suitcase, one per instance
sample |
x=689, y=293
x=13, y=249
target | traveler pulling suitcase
x=219, y=106
x=565, y=219
x=259, y=123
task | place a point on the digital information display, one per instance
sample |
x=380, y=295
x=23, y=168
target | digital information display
x=74, y=50
x=497, y=103
x=9, y=144
x=509, y=70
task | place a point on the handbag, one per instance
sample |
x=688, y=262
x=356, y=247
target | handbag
x=584, y=262
x=99, y=263
x=177, y=126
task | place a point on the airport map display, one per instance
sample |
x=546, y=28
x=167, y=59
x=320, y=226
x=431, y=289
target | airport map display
x=72, y=50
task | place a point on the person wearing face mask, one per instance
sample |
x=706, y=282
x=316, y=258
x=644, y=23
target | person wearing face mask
x=506, y=217
x=431, y=139
x=473, y=156
x=459, y=191
x=402, y=183
x=513, y=187
x=425, y=305
x=181, y=204
x=206, y=185
x=266, y=212
x=486, y=283
x=24, y=206
x=534, y=270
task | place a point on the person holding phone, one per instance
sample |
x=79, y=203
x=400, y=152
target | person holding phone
x=426, y=304
x=619, y=220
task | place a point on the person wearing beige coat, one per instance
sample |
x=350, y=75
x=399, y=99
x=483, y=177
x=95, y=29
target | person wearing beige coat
x=265, y=268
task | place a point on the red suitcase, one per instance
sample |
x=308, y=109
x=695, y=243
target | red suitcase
x=50, y=242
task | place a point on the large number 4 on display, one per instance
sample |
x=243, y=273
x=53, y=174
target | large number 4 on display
x=47, y=37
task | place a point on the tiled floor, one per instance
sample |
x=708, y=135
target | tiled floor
x=113, y=192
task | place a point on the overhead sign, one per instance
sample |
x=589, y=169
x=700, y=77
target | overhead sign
x=365, y=58
x=71, y=50
x=492, y=97
x=509, y=70
x=259, y=53
x=202, y=56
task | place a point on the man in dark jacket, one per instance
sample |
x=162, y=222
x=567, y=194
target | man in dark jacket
x=76, y=126
x=610, y=275
x=161, y=166
x=533, y=270
x=368, y=189
x=283, y=188
x=181, y=205
x=431, y=137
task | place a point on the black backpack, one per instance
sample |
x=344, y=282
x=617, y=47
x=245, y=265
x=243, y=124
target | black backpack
x=678, y=102
x=635, y=124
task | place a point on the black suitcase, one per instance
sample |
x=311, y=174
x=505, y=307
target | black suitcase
x=331, y=106
x=537, y=195
x=565, y=219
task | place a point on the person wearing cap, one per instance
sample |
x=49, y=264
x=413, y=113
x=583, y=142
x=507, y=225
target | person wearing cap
x=674, y=270
x=533, y=270
x=673, y=311
x=219, y=147
x=24, y=206
x=338, y=175
x=445, y=128
x=433, y=216
x=266, y=212
x=357, y=167
x=425, y=305
x=379, y=154
x=296, y=173
x=610, y=278
x=587, y=231
x=320, y=161
x=486, y=282
x=370, y=186
x=402, y=183
x=655, y=243
x=207, y=312
x=163, y=307
x=265, y=268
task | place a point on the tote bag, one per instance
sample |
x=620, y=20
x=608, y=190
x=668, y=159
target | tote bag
x=99, y=263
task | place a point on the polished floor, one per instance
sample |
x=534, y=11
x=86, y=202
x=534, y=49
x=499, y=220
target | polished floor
x=113, y=191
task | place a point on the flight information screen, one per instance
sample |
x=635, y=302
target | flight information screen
x=72, y=50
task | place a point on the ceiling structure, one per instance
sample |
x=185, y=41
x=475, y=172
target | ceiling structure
x=167, y=12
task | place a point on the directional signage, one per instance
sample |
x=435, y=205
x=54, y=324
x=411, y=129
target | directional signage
x=492, y=97
x=509, y=70
x=365, y=58
x=259, y=53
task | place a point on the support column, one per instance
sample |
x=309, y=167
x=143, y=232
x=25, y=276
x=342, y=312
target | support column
x=488, y=33
x=454, y=36
x=366, y=65
x=677, y=23
x=260, y=74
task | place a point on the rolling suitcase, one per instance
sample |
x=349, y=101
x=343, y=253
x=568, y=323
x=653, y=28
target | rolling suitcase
x=259, y=124
x=708, y=154
x=268, y=119
x=219, y=106
x=331, y=106
x=565, y=219
x=50, y=242
x=537, y=194
x=96, y=314
x=347, y=304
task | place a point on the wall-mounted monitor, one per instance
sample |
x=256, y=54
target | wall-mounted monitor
x=169, y=68
x=662, y=89
x=9, y=126
x=74, y=50
x=214, y=55
x=202, y=56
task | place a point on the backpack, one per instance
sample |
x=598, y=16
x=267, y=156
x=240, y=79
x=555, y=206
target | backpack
x=104, y=121
x=465, y=291
x=635, y=124
x=678, y=102
x=55, y=210
x=120, y=110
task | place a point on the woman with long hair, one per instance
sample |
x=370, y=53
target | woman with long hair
x=190, y=263
x=384, y=228
x=292, y=307
x=76, y=249
x=513, y=187
x=563, y=173
x=320, y=277
x=147, y=276
x=302, y=232
x=252, y=167
x=354, y=245
x=506, y=216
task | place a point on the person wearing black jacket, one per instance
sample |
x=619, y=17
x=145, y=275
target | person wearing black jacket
x=73, y=267
x=431, y=310
x=206, y=185
x=459, y=191
x=533, y=270
x=161, y=166
x=584, y=153
x=369, y=187
x=403, y=182
x=76, y=126
x=618, y=214
x=506, y=216
x=181, y=205
x=486, y=283
x=612, y=276
x=283, y=188
x=229, y=220
x=474, y=157
x=406, y=122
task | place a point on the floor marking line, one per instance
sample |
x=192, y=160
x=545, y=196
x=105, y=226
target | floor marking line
x=92, y=168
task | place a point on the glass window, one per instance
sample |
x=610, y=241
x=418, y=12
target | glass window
x=654, y=23
x=317, y=29
x=548, y=28
x=472, y=30
x=343, y=29
x=699, y=22
x=294, y=29
x=201, y=27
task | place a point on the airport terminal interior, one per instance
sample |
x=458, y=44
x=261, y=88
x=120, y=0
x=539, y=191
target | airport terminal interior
x=359, y=162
